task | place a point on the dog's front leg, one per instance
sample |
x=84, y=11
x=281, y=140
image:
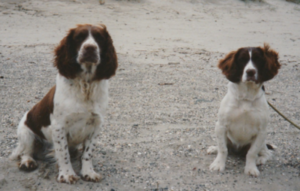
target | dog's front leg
x=219, y=162
x=87, y=169
x=252, y=154
x=66, y=173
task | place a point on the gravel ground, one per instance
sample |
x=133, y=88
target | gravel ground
x=163, y=100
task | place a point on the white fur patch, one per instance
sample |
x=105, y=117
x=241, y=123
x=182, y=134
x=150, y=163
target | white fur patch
x=77, y=116
x=89, y=41
x=249, y=66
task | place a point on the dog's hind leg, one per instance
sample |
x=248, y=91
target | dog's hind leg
x=265, y=154
x=212, y=150
x=25, y=147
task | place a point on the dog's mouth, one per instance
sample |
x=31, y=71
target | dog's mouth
x=89, y=67
x=89, y=58
x=89, y=62
x=251, y=79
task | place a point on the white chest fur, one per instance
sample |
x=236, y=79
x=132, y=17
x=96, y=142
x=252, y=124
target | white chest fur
x=244, y=112
x=79, y=108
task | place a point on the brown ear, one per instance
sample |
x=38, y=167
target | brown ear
x=227, y=65
x=65, y=57
x=271, y=63
x=109, y=61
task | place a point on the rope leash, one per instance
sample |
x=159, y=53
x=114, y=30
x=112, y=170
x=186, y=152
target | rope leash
x=283, y=115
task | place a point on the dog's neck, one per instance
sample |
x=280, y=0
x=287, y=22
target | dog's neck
x=84, y=82
x=245, y=90
x=88, y=72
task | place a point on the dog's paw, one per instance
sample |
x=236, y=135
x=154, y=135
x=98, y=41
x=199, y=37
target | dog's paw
x=261, y=160
x=91, y=176
x=70, y=178
x=27, y=164
x=212, y=150
x=263, y=157
x=217, y=165
x=253, y=171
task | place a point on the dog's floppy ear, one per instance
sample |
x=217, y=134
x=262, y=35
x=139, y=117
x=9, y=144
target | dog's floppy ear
x=227, y=65
x=65, y=56
x=109, y=61
x=271, y=63
x=233, y=64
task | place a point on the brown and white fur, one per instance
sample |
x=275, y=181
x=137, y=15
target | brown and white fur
x=72, y=111
x=243, y=115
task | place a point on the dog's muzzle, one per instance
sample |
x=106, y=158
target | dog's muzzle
x=90, y=55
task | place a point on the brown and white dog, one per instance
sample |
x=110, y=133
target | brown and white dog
x=243, y=115
x=72, y=111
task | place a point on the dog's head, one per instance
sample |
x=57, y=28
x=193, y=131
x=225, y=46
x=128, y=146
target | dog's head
x=252, y=64
x=86, y=49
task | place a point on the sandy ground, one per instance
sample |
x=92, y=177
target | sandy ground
x=155, y=136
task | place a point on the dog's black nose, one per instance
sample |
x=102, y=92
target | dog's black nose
x=251, y=72
x=90, y=48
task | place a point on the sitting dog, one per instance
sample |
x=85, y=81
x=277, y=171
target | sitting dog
x=72, y=111
x=243, y=115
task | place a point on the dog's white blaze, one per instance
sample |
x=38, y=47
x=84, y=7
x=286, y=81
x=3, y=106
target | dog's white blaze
x=89, y=41
x=248, y=66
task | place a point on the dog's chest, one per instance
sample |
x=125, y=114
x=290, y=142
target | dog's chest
x=245, y=121
x=78, y=114
x=83, y=115
x=246, y=113
x=79, y=126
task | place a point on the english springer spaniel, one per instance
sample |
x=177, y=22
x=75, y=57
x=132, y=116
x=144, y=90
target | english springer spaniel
x=73, y=110
x=243, y=115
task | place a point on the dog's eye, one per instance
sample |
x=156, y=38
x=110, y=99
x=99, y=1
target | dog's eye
x=257, y=58
x=257, y=55
x=80, y=36
x=243, y=59
x=97, y=36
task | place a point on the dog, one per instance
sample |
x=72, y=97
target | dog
x=73, y=110
x=243, y=115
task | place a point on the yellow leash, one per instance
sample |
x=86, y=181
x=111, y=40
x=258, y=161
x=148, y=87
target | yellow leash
x=283, y=115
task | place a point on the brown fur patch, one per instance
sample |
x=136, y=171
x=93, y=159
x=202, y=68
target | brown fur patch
x=109, y=61
x=39, y=115
x=226, y=63
x=233, y=64
x=65, y=57
x=272, y=65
